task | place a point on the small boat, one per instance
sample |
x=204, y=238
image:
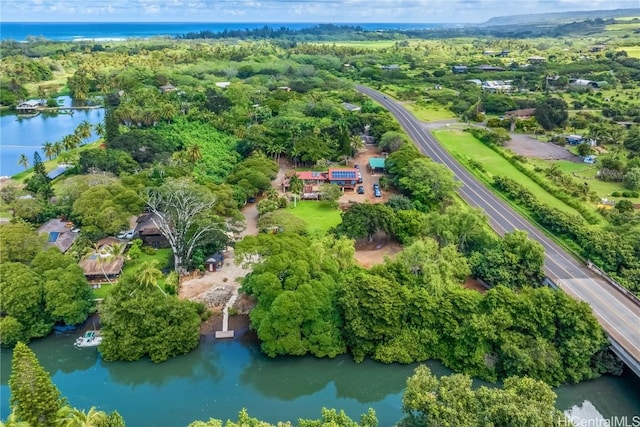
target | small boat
x=89, y=339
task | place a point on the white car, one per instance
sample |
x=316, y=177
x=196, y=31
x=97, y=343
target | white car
x=126, y=234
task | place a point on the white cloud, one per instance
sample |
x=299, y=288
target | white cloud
x=291, y=10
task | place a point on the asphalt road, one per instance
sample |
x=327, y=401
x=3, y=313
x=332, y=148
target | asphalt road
x=618, y=315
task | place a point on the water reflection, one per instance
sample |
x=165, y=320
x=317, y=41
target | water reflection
x=219, y=378
x=204, y=362
x=56, y=354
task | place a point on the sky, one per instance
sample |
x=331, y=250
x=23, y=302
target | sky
x=324, y=11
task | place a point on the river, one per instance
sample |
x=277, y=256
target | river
x=26, y=135
x=221, y=377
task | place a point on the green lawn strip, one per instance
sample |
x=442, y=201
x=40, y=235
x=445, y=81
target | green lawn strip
x=462, y=145
x=568, y=245
x=50, y=165
x=319, y=216
x=429, y=114
x=632, y=51
x=130, y=266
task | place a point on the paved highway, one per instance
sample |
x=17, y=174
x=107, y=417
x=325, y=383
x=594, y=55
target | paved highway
x=619, y=316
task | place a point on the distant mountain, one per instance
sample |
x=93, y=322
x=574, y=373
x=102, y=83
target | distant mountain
x=558, y=17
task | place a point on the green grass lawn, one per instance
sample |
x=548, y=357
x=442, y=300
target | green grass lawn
x=624, y=26
x=320, y=216
x=429, y=114
x=130, y=266
x=632, y=51
x=463, y=145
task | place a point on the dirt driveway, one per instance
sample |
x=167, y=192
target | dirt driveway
x=368, y=179
x=528, y=146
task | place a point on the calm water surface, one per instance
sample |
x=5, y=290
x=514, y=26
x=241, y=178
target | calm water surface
x=221, y=377
x=26, y=135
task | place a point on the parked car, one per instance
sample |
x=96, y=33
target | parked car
x=128, y=234
x=377, y=192
x=376, y=186
x=360, y=189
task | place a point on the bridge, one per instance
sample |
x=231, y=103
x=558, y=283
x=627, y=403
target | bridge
x=618, y=313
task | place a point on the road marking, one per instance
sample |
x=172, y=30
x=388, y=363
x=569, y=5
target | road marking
x=484, y=197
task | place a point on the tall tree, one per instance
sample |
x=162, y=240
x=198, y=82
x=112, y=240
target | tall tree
x=83, y=131
x=148, y=275
x=34, y=398
x=23, y=161
x=194, y=152
x=182, y=213
x=551, y=113
x=49, y=150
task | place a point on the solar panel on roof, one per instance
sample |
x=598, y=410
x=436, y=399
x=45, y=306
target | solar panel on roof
x=344, y=174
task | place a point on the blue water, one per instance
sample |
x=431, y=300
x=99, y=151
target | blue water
x=26, y=135
x=219, y=378
x=19, y=31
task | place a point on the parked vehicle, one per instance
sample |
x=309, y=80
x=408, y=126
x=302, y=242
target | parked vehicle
x=377, y=192
x=360, y=189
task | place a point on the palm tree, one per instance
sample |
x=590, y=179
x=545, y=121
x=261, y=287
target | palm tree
x=73, y=417
x=12, y=421
x=57, y=148
x=49, y=150
x=357, y=143
x=83, y=131
x=295, y=184
x=70, y=142
x=99, y=129
x=104, y=254
x=23, y=161
x=148, y=275
x=194, y=152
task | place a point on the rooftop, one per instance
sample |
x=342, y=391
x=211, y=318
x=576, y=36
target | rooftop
x=376, y=162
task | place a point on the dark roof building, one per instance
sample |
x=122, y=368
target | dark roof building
x=148, y=231
x=459, y=69
x=489, y=68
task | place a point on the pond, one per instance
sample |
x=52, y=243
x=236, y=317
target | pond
x=220, y=378
x=25, y=135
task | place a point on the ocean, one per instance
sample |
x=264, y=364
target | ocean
x=69, y=31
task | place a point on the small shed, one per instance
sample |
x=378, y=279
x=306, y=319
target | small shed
x=574, y=139
x=214, y=262
x=376, y=164
x=350, y=107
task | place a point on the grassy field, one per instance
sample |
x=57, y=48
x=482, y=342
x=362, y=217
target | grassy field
x=632, y=51
x=625, y=26
x=463, y=145
x=588, y=173
x=320, y=216
x=429, y=114
x=130, y=266
x=373, y=44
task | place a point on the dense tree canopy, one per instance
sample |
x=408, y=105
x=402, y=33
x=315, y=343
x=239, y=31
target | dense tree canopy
x=294, y=284
x=514, y=261
x=52, y=290
x=139, y=320
x=429, y=401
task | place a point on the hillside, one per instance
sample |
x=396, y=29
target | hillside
x=558, y=17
